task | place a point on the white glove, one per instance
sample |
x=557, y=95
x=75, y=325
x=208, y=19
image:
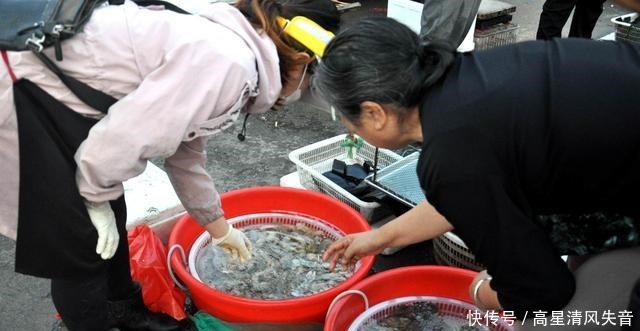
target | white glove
x=104, y=221
x=235, y=243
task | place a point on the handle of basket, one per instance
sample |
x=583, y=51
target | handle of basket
x=184, y=259
x=615, y=21
x=344, y=294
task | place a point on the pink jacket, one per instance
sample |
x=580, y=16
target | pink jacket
x=178, y=78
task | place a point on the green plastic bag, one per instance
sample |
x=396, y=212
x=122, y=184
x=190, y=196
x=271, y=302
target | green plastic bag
x=206, y=322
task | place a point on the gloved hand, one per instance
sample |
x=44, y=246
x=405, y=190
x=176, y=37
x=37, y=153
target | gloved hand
x=104, y=221
x=235, y=243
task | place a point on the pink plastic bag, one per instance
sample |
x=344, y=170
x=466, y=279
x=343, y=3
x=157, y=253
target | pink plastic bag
x=148, y=266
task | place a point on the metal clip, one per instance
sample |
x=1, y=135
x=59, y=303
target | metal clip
x=35, y=42
x=57, y=29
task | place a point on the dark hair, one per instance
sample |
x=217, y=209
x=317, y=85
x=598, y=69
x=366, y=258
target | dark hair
x=378, y=59
x=262, y=14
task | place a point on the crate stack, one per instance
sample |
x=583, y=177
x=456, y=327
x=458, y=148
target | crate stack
x=493, y=25
x=627, y=28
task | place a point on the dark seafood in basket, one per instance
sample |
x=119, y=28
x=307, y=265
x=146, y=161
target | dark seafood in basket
x=415, y=316
x=286, y=263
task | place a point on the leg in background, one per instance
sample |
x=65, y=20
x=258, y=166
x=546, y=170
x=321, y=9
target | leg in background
x=553, y=18
x=585, y=18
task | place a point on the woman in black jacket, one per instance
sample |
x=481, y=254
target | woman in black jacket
x=510, y=137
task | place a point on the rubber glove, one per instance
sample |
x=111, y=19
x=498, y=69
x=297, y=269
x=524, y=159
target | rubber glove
x=235, y=243
x=104, y=221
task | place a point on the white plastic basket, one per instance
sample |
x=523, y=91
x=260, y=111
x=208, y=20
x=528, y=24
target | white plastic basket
x=454, y=312
x=625, y=30
x=449, y=249
x=258, y=219
x=500, y=35
x=313, y=160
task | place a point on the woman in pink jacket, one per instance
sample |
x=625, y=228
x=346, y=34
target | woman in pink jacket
x=176, y=78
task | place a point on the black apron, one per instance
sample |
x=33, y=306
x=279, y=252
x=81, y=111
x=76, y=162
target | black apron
x=56, y=238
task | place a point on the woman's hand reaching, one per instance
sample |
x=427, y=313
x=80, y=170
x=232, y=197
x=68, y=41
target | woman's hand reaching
x=420, y=223
x=351, y=248
x=233, y=241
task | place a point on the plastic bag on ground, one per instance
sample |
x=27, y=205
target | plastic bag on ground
x=206, y=322
x=147, y=256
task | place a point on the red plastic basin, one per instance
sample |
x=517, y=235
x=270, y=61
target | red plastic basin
x=437, y=281
x=232, y=308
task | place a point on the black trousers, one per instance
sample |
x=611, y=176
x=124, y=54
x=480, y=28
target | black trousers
x=555, y=14
x=634, y=306
x=83, y=302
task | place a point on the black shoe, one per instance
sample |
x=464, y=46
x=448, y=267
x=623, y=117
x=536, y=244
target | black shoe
x=132, y=315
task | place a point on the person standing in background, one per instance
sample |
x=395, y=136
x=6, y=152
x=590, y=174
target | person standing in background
x=555, y=14
x=452, y=21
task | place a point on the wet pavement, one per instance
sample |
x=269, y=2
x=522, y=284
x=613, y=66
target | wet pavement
x=25, y=302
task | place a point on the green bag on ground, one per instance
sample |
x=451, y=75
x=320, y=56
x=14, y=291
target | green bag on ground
x=206, y=322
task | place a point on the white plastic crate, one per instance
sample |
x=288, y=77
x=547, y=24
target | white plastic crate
x=626, y=30
x=500, y=35
x=407, y=12
x=449, y=249
x=313, y=160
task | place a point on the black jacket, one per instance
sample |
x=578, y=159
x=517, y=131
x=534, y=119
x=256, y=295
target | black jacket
x=528, y=129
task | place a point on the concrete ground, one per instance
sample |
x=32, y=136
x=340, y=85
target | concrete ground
x=25, y=302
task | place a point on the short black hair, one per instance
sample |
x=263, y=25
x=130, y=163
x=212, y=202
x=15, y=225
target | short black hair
x=381, y=60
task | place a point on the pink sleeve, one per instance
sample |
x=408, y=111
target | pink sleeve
x=192, y=183
x=185, y=81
